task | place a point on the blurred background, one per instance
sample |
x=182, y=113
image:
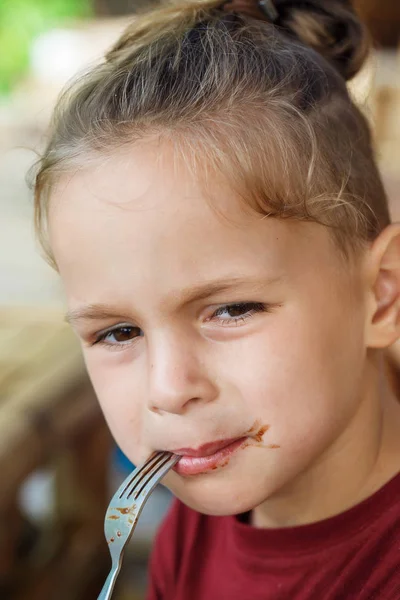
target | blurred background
x=58, y=464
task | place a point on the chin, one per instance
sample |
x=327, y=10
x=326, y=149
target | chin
x=216, y=498
x=221, y=507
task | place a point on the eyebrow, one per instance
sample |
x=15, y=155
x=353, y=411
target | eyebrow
x=94, y=312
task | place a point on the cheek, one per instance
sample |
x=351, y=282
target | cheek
x=301, y=377
x=121, y=401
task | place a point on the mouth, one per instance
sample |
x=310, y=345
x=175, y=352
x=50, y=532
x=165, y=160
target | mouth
x=207, y=457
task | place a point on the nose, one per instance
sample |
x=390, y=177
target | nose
x=178, y=377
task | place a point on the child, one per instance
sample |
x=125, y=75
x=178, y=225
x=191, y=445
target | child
x=210, y=198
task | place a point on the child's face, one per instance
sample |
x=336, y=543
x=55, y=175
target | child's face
x=140, y=246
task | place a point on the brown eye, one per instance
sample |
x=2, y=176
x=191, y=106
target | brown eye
x=237, y=310
x=119, y=335
x=235, y=313
x=123, y=334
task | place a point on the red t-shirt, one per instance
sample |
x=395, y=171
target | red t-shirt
x=351, y=556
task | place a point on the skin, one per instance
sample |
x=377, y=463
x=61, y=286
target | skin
x=137, y=239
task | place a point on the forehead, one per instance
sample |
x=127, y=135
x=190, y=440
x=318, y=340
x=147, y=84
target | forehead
x=149, y=177
x=140, y=218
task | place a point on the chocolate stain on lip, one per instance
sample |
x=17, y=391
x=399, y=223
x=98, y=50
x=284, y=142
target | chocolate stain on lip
x=254, y=427
x=260, y=433
x=256, y=432
x=221, y=465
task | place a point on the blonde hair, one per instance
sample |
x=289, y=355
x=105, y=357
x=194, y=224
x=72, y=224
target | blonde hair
x=265, y=104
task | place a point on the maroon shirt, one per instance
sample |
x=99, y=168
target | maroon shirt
x=351, y=556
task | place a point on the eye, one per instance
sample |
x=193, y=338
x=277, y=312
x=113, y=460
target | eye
x=118, y=336
x=233, y=314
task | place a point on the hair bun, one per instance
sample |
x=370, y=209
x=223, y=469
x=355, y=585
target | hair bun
x=331, y=27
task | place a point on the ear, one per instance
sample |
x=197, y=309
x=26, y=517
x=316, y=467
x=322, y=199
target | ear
x=383, y=275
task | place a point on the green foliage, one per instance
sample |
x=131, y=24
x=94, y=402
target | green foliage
x=20, y=22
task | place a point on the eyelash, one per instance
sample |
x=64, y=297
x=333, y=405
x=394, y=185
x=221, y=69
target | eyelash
x=253, y=308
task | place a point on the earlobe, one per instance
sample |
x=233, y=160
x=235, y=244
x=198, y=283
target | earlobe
x=383, y=325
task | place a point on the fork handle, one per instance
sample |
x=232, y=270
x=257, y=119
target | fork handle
x=109, y=584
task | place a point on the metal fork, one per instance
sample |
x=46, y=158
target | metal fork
x=125, y=507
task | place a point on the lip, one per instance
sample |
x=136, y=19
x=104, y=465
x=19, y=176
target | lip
x=207, y=457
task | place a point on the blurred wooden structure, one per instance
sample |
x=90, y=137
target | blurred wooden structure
x=383, y=20
x=49, y=417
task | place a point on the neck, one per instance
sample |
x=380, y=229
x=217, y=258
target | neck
x=359, y=462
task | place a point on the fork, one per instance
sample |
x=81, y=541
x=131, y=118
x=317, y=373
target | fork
x=125, y=507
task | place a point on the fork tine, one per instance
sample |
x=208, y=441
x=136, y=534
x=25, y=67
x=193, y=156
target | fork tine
x=126, y=484
x=148, y=486
x=148, y=474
